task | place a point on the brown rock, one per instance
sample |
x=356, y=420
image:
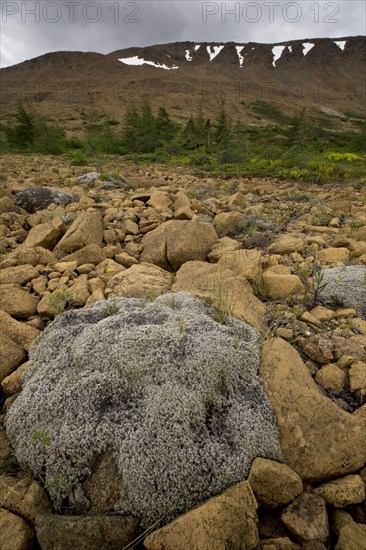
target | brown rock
x=225, y=522
x=322, y=313
x=108, y=269
x=334, y=255
x=307, y=518
x=238, y=199
x=285, y=244
x=357, y=378
x=33, y=256
x=229, y=293
x=11, y=355
x=140, y=281
x=229, y=223
x=182, y=207
x=25, y=497
x=342, y=492
x=280, y=286
x=90, y=254
x=125, y=259
x=20, y=333
x=11, y=384
x=7, y=459
x=86, y=229
x=331, y=377
x=304, y=415
x=61, y=267
x=175, y=242
x=79, y=291
x=56, y=532
x=103, y=487
x=319, y=349
x=247, y=263
x=224, y=246
x=159, y=200
x=19, y=275
x=15, y=533
x=352, y=536
x=18, y=302
x=45, y=235
x=273, y=483
x=7, y=205
x=281, y=543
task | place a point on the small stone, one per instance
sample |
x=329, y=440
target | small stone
x=357, y=378
x=61, y=267
x=322, y=313
x=15, y=533
x=319, y=348
x=11, y=355
x=334, y=255
x=11, y=384
x=307, y=519
x=125, y=259
x=273, y=483
x=345, y=313
x=285, y=333
x=331, y=377
x=25, y=497
x=342, y=492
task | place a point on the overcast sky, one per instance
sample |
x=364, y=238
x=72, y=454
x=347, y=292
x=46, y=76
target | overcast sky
x=30, y=28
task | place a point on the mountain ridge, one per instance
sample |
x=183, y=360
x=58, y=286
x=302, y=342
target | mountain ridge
x=301, y=73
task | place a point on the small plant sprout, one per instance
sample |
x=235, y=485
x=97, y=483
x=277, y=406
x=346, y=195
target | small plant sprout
x=223, y=302
x=181, y=326
x=110, y=309
x=42, y=436
x=59, y=301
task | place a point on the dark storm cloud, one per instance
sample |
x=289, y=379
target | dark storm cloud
x=30, y=28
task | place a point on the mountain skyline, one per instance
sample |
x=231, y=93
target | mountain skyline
x=31, y=29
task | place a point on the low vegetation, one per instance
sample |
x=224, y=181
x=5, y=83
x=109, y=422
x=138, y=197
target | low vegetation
x=308, y=146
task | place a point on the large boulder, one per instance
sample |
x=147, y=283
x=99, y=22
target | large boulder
x=172, y=392
x=45, y=235
x=305, y=415
x=345, y=287
x=140, y=281
x=38, y=198
x=86, y=229
x=20, y=274
x=175, y=242
x=228, y=292
x=18, y=302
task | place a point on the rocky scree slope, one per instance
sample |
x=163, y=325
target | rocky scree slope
x=273, y=237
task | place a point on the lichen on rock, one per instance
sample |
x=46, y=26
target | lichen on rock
x=174, y=393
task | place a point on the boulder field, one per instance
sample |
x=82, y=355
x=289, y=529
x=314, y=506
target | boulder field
x=182, y=363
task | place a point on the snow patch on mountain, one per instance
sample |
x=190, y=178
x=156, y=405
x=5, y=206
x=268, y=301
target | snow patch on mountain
x=136, y=60
x=214, y=51
x=341, y=44
x=277, y=52
x=307, y=47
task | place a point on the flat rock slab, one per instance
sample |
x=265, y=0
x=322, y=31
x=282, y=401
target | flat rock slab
x=228, y=521
x=316, y=436
x=85, y=533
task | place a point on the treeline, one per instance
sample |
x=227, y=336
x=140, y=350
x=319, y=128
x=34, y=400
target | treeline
x=301, y=146
x=142, y=133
